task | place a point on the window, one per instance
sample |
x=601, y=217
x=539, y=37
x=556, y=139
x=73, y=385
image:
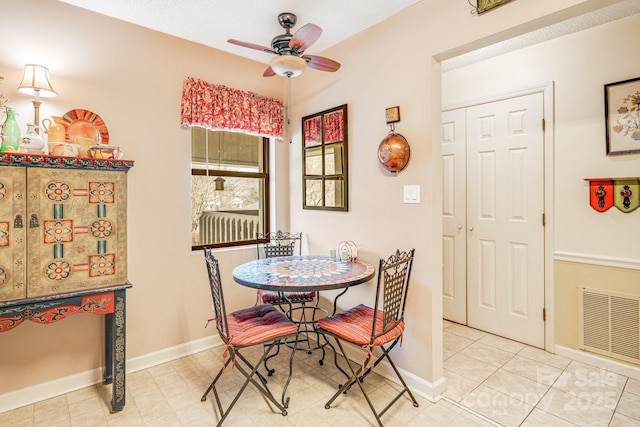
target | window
x=229, y=188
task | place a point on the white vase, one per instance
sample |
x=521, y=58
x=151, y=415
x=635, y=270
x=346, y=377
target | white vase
x=31, y=142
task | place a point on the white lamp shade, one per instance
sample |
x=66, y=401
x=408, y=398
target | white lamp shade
x=36, y=82
x=288, y=65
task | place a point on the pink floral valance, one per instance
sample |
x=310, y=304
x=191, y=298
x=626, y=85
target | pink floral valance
x=219, y=107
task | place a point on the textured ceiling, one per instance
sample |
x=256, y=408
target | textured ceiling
x=212, y=22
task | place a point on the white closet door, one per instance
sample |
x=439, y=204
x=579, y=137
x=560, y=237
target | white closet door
x=454, y=234
x=505, y=206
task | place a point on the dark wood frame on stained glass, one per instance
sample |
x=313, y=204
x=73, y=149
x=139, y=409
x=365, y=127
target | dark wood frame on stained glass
x=325, y=183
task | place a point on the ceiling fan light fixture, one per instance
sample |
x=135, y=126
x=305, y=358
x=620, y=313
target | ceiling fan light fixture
x=288, y=65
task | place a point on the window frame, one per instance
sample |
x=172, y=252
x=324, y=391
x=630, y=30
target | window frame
x=264, y=175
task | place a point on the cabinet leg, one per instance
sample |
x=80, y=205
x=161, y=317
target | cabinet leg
x=119, y=351
x=108, y=334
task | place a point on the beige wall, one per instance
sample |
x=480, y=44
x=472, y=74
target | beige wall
x=132, y=77
x=599, y=242
x=570, y=277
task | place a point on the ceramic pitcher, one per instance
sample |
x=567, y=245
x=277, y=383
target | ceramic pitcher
x=31, y=141
x=55, y=130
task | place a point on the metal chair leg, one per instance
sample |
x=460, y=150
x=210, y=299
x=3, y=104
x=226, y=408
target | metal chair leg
x=335, y=353
x=250, y=373
x=285, y=402
x=270, y=372
x=359, y=379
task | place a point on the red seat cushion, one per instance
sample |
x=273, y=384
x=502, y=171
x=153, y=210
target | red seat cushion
x=355, y=326
x=274, y=297
x=258, y=324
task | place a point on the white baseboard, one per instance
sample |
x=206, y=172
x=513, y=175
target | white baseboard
x=49, y=389
x=172, y=353
x=431, y=391
x=599, y=361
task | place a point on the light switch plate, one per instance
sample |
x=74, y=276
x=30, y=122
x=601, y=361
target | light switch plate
x=411, y=194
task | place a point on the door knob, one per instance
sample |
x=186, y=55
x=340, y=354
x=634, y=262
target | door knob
x=470, y=228
x=459, y=226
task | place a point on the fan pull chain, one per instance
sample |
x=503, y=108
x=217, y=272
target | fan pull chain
x=287, y=100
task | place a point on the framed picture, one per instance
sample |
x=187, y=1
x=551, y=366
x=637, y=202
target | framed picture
x=622, y=116
x=484, y=5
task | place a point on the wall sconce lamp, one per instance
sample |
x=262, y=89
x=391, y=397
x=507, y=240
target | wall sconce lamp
x=35, y=82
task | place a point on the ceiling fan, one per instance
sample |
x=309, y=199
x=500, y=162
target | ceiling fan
x=290, y=60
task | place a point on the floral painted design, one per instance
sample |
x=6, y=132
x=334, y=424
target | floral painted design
x=629, y=121
x=56, y=162
x=4, y=275
x=58, y=231
x=58, y=269
x=101, y=192
x=101, y=228
x=219, y=107
x=102, y=265
x=57, y=191
x=4, y=234
x=4, y=191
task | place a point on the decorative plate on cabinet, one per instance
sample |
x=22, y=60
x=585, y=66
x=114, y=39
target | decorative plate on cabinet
x=86, y=125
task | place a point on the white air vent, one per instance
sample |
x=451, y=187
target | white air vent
x=610, y=324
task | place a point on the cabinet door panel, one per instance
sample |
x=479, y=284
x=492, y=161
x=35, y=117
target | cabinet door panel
x=12, y=233
x=77, y=239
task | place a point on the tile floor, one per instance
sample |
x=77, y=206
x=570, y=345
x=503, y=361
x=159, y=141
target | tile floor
x=501, y=380
x=518, y=385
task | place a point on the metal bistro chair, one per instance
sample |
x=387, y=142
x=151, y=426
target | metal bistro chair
x=282, y=244
x=258, y=325
x=278, y=244
x=375, y=327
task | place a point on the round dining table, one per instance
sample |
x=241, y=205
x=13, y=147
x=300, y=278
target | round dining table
x=306, y=273
x=303, y=274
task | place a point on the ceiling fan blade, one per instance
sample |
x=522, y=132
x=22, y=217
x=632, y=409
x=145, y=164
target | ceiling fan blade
x=305, y=37
x=251, y=46
x=268, y=72
x=321, y=63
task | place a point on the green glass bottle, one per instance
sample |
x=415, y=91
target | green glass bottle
x=10, y=132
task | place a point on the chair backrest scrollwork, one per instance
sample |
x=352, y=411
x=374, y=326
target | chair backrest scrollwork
x=393, y=282
x=279, y=243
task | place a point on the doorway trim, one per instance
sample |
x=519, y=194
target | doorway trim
x=547, y=90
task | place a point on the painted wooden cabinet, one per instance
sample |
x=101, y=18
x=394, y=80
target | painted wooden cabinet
x=63, y=247
x=63, y=227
